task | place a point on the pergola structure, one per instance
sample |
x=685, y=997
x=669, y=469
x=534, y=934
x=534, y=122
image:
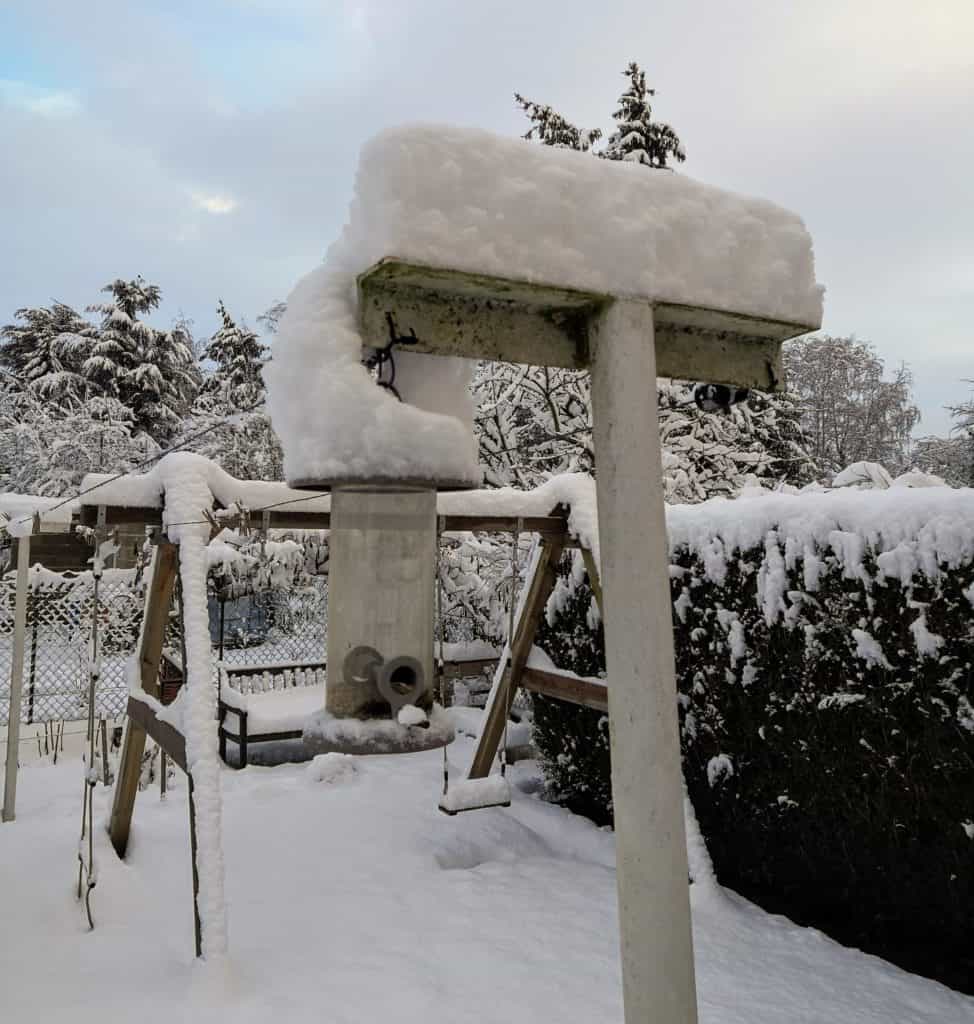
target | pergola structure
x=625, y=342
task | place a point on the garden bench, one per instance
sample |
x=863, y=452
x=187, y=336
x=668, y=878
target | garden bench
x=269, y=702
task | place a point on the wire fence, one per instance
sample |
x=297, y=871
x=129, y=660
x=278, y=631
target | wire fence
x=268, y=628
x=272, y=628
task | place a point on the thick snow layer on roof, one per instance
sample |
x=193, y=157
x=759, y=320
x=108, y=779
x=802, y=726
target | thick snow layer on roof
x=20, y=508
x=468, y=200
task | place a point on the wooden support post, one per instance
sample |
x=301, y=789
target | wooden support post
x=16, y=681
x=505, y=690
x=594, y=580
x=158, y=603
x=647, y=781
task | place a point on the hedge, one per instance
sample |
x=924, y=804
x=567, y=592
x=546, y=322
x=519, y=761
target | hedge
x=824, y=652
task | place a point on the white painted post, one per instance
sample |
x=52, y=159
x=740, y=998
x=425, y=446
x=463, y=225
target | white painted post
x=647, y=789
x=16, y=681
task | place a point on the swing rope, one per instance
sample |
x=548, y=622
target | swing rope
x=87, y=876
x=511, y=616
x=440, y=631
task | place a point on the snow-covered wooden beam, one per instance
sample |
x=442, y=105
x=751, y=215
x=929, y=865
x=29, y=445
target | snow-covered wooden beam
x=456, y=313
x=282, y=519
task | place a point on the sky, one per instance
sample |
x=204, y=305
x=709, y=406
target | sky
x=211, y=145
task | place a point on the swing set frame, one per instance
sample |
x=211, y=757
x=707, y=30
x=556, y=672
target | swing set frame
x=142, y=722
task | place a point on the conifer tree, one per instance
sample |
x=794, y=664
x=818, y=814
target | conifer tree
x=46, y=351
x=637, y=137
x=236, y=384
x=232, y=399
x=551, y=129
x=135, y=369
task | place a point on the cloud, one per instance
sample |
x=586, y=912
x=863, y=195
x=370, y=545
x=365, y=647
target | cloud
x=216, y=204
x=37, y=100
x=221, y=162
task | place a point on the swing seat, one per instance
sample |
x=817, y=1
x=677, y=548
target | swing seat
x=476, y=795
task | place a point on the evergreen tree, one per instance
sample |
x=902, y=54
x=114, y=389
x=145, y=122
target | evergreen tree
x=236, y=385
x=231, y=400
x=551, y=129
x=271, y=317
x=138, y=371
x=46, y=351
x=638, y=138
x=47, y=449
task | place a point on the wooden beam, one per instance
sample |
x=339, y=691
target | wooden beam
x=169, y=738
x=455, y=314
x=115, y=515
x=506, y=683
x=282, y=519
x=594, y=581
x=158, y=603
x=458, y=313
x=567, y=687
x=469, y=668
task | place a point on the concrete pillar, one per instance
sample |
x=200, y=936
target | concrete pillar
x=647, y=791
x=382, y=560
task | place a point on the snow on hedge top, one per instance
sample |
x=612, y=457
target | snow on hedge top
x=471, y=201
x=908, y=530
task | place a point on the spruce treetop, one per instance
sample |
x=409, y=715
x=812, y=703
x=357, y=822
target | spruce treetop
x=638, y=138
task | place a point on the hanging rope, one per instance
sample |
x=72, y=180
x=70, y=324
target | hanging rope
x=87, y=875
x=440, y=631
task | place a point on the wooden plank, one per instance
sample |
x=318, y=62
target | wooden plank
x=460, y=313
x=169, y=738
x=158, y=603
x=282, y=519
x=453, y=313
x=117, y=515
x=569, y=688
x=539, y=590
x=594, y=580
x=469, y=668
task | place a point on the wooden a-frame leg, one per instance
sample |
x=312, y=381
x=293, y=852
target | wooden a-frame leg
x=158, y=603
x=502, y=699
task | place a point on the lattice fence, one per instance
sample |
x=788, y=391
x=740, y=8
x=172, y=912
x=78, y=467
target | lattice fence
x=60, y=607
x=266, y=629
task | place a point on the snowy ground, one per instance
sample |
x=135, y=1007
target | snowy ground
x=352, y=899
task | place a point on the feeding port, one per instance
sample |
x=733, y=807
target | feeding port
x=380, y=619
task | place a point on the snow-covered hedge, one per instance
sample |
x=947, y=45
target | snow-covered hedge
x=824, y=648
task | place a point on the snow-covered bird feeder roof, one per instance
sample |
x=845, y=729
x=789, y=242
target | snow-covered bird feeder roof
x=19, y=509
x=497, y=248
x=491, y=247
